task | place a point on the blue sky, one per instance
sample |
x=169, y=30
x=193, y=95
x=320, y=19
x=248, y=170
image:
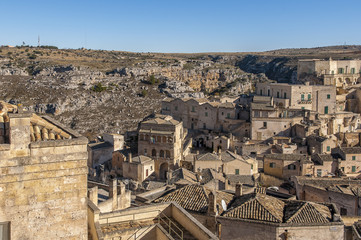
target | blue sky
x=181, y=26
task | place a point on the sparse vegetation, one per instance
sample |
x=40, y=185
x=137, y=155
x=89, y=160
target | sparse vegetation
x=188, y=66
x=144, y=93
x=99, y=87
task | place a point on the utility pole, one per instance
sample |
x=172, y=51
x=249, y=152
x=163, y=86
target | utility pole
x=38, y=41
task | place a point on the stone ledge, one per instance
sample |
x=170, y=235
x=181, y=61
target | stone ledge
x=20, y=115
x=57, y=143
x=4, y=147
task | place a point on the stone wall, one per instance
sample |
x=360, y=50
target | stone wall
x=43, y=185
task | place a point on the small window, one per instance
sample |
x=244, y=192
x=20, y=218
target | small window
x=251, y=167
x=237, y=172
x=268, y=92
x=5, y=230
x=272, y=165
x=193, y=109
x=309, y=97
x=278, y=94
x=206, y=114
x=328, y=148
x=204, y=126
x=328, y=96
x=228, y=115
x=303, y=108
x=343, y=211
x=222, y=113
x=342, y=169
x=353, y=168
x=353, y=158
x=265, y=124
x=302, y=97
x=260, y=92
x=352, y=70
x=319, y=172
x=340, y=70
x=176, y=108
x=151, y=168
x=285, y=95
x=326, y=110
x=292, y=167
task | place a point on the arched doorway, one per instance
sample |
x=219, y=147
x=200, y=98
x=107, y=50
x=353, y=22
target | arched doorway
x=163, y=170
x=348, y=81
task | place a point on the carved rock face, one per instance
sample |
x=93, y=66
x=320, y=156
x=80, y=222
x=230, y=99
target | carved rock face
x=3, y=109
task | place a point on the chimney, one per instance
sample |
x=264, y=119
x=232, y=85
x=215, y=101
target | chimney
x=336, y=217
x=113, y=193
x=239, y=189
x=212, y=204
x=226, y=183
x=197, y=152
x=130, y=157
x=93, y=195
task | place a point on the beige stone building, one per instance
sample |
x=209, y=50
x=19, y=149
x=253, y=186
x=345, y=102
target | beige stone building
x=164, y=140
x=350, y=160
x=317, y=98
x=207, y=115
x=258, y=216
x=339, y=73
x=138, y=168
x=43, y=183
x=343, y=192
x=286, y=165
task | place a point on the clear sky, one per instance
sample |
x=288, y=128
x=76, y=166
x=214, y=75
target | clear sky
x=181, y=26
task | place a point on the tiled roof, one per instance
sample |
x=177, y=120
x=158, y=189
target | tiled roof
x=243, y=179
x=195, y=198
x=161, y=119
x=290, y=157
x=100, y=145
x=256, y=207
x=306, y=212
x=183, y=174
x=260, y=207
x=208, y=157
x=351, y=150
x=209, y=174
x=141, y=159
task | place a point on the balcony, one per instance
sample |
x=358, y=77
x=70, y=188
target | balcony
x=308, y=101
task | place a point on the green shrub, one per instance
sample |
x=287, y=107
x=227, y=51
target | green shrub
x=144, y=93
x=98, y=88
x=33, y=56
x=188, y=66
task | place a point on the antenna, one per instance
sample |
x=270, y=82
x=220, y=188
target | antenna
x=38, y=40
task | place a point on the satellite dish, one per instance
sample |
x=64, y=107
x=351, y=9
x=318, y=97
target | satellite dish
x=224, y=205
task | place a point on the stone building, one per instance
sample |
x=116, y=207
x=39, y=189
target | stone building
x=268, y=120
x=164, y=140
x=138, y=168
x=43, y=184
x=342, y=192
x=321, y=99
x=339, y=73
x=259, y=216
x=203, y=114
x=286, y=165
x=350, y=160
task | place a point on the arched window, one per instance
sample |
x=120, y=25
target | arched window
x=167, y=154
x=159, y=138
x=161, y=154
x=146, y=137
x=141, y=137
x=154, y=153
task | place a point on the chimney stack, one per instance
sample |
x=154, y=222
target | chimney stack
x=130, y=157
x=212, y=204
x=113, y=193
x=226, y=183
x=93, y=195
x=239, y=189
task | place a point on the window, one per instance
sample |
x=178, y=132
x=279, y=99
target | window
x=265, y=124
x=332, y=72
x=352, y=70
x=222, y=113
x=5, y=230
x=309, y=97
x=278, y=94
x=176, y=108
x=328, y=148
x=151, y=168
x=326, y=110
x=146, y=173
x=237, y=172
x=291, y=167
x=268, y=92
x=251, y=167
x=272, y=165
x=353, y=158
x=303, y=108
x=154, y=153
x=206, y=114
x=342, y=169
x=353, y=168
x=204, y=126
x=228, y=115
x=302, y=97
x=260, y=92
x=343, y=211
x=319, y=172
x=285, y=95
x=340, y=70
x=145, y=152
x=328, y=96
x=193, y=109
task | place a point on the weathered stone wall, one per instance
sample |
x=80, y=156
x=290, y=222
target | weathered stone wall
x=43, y=185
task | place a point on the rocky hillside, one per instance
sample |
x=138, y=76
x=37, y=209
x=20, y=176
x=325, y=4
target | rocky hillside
x=111, y=91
